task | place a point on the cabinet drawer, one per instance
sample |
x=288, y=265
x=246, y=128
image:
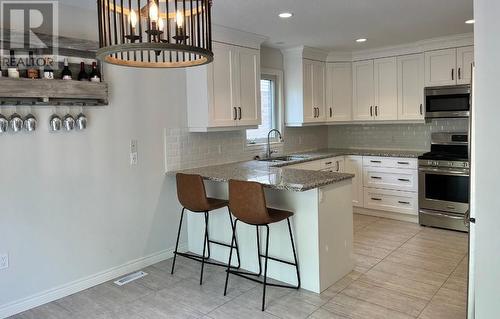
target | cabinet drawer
x=390, y=200
x=391, y=178
x=391, y=162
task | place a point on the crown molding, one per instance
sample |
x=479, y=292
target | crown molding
x=307, y=53
x=439, y=43
x=237, y=37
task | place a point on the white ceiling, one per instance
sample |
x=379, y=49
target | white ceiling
x=336, y=24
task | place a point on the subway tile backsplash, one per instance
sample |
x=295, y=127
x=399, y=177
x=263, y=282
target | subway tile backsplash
x=187, y=150
x=392, y=136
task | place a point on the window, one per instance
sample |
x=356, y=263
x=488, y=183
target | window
x=270, y=88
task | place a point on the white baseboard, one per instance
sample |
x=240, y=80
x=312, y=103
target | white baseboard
x=64, y=290
x=384, y=214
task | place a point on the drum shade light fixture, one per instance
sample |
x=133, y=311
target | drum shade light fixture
x=155, y=33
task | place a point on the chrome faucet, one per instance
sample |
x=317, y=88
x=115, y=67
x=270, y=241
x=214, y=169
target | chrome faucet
x=269, y=151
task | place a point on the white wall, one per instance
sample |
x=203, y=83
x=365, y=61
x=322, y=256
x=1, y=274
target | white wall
x=73, y=207
x=487, y=151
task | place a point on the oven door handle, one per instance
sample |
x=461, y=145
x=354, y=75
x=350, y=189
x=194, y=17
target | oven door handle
x=440, y=171
x=440, y=214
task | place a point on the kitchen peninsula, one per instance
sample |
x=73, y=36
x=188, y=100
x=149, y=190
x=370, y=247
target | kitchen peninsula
x=322, y=224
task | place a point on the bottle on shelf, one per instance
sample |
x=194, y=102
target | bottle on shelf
x=66, y=72
x=13, y=71
x=83, y=76
x=32, y=72
x=95, y=74
x=48, y=73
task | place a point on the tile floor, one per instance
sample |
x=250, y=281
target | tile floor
x=402, y=271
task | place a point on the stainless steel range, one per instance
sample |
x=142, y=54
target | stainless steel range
x=444, y=182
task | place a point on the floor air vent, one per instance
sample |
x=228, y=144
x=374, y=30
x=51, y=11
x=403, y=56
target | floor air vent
x=129, y=278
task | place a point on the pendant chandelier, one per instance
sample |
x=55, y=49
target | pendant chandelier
x=155, y=33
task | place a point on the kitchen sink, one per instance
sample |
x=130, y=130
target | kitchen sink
x=288, y=158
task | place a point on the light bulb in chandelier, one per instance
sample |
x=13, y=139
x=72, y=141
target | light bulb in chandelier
x=153, y=12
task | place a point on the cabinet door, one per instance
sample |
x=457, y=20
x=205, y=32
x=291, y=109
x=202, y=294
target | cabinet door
x=465, y=59
x=362, y=85
x=309, y=110
x=222, y=112
x=354, y=165
x=411, y=87
x=386, y=89
x=338, y=92
x=440, y=67
x=248, y=71
x=319, y=78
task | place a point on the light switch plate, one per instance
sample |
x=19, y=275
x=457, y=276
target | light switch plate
x=4, y=261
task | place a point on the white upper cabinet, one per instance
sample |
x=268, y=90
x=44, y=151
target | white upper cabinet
x=386, y=89
x=319, y=79
x=465, y=60
x=314, y=91
x=363, y=90
x=449, y=67
x=375, y=90
x=411, y=87
x=248, y=87
x=305, y=86
x=225, y=94
x=338, y=92
x=440, y=67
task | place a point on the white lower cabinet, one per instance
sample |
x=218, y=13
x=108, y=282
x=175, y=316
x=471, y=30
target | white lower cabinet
x=380, y=183
x=354, y=165
x=390, y=184
x=391, y=200
x=391, y=178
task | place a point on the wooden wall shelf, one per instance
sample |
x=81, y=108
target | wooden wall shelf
x=52, y=92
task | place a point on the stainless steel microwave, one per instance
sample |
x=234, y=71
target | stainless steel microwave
x=447, y=101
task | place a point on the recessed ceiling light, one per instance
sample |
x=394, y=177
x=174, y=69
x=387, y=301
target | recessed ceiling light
x=285, y=15
x=471, y=21
x=361, y=40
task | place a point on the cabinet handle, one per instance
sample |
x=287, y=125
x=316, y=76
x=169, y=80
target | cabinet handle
x=453, y=74
x=421, y=110
x=403, y=180
x=317, y=112
x=406, y=203
x=404, y=163
x=459, y=73
x=376, y=177
x=331, y=112
x=239, y=108
x=328, y=163
x=378, y=162
x=376, y=110
x=235, y=110
x=338, y=166
x=371, y=110
x=377, y=199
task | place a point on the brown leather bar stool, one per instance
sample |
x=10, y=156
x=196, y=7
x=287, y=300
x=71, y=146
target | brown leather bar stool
x=247, y=202
x=192, y=196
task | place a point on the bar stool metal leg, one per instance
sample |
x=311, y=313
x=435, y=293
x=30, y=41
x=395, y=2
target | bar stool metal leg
x=265, y=268
x=233, y=237
x=205, y=243
x=177, y=242
x=294, y=253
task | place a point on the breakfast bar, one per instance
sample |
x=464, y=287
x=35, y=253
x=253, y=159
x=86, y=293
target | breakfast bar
x=322, y=222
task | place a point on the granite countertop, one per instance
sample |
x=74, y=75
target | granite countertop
x=333, y=152
x=278, y=176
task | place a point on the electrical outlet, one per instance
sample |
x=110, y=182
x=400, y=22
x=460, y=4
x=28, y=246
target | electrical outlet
x=133, y=158
x=4, y=261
